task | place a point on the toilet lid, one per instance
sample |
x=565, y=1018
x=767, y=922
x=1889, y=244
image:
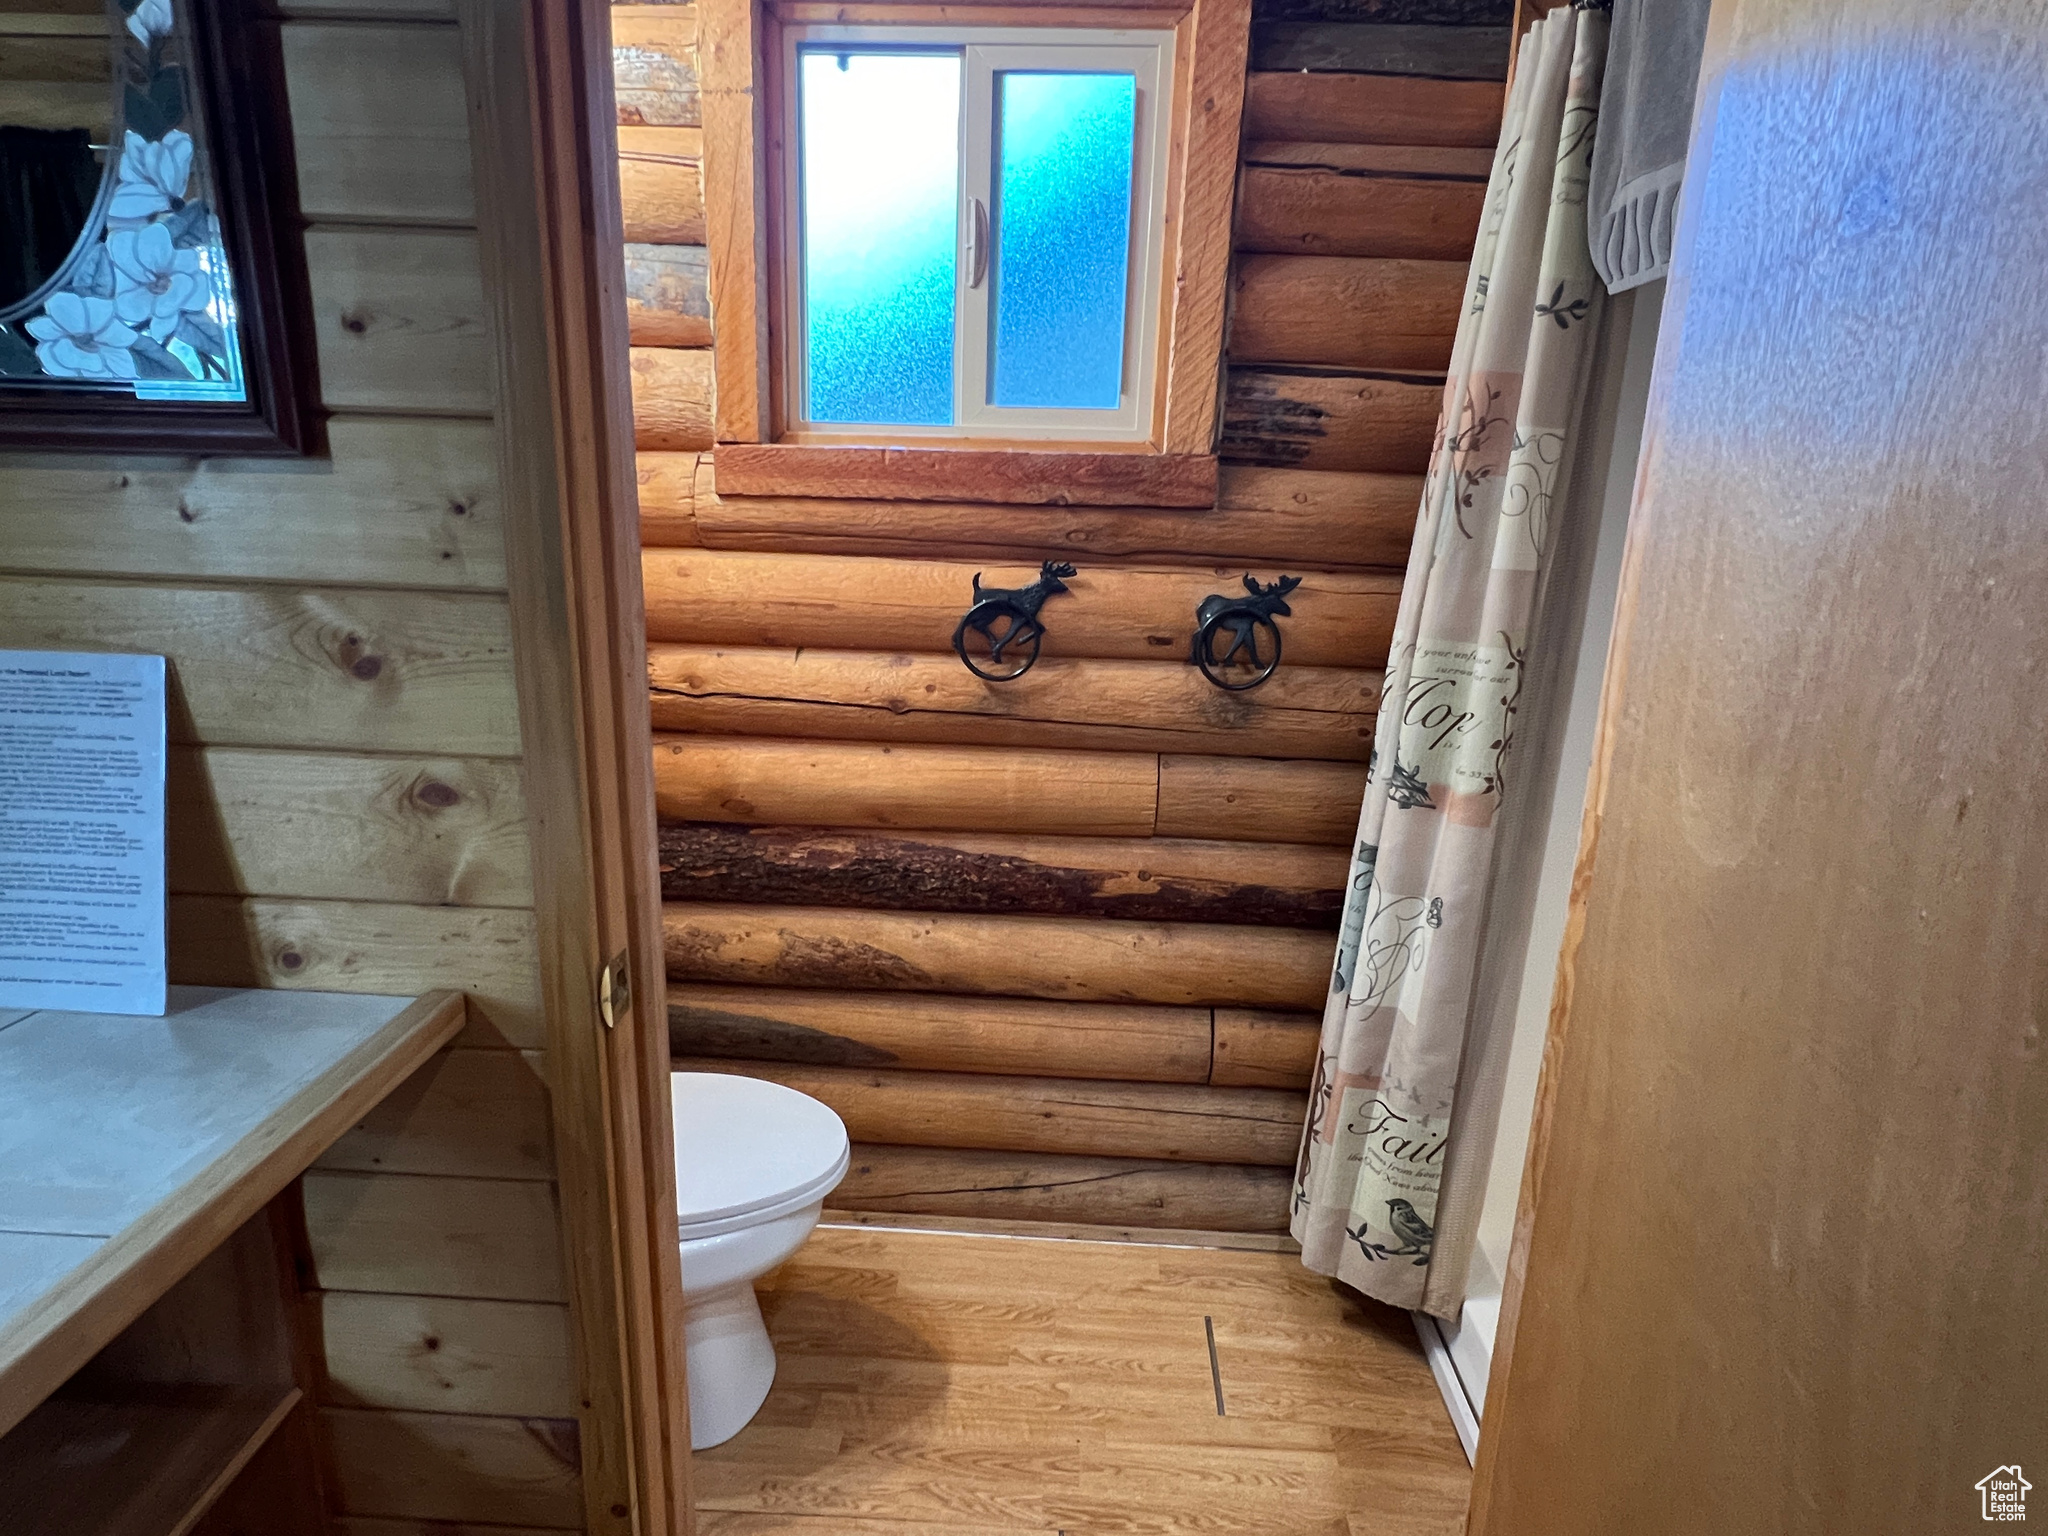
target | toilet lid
x=743, y=1145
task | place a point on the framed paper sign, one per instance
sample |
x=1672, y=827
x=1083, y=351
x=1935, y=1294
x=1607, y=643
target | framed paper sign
x=82, y=832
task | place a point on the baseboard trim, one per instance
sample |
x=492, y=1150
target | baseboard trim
x=1063, y=1232
x=1464, y=1412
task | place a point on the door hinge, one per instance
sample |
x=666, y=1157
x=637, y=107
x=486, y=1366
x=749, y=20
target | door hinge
x=614, y=990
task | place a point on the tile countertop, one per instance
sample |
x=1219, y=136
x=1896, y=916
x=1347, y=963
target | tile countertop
x=124, y=1138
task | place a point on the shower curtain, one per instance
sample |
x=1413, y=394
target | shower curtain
x=1380, y=1116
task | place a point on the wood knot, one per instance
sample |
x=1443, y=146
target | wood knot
x=431, y=1342
x=185, y=512
x=290, y=959
x=436, y=794
x=354, y=323
x=367, y=667
x=458, y=509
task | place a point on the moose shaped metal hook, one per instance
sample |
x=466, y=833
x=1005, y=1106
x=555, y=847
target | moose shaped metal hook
x=1243, y=662
x=1008, y=655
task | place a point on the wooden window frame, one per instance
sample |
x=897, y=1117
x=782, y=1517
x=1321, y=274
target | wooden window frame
x=1174, y=465
x=985, y=52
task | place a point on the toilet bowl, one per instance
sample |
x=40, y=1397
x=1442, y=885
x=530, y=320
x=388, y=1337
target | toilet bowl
x=754, y=1163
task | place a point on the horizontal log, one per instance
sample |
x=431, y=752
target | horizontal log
x=1306, y=420
x=1311, y=210
x=730, y=597
x=1005, y=475
x=667, y=301
x=661, y=185
x=1093, y=1191
x=1346, y=312
x=671, y=487
x=1449, y=53
x=1245, y=798
x=1472, y=164
x=671, y=398
x=1263, y=515
x=1167, y=1121
x=1376, y=509
x=1082, y=959
x=1142, y=879
x=1440, y=13
x=654, y=65
x=1005, y=1035
x=1257, y=1049
x=1115, y=706
x=993, y=789
x=1312, y=108
x=862, y=784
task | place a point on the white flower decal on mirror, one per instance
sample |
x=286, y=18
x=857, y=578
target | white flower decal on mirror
x=146, y=299
x=151, y=178
x=83, y=338
x=155, y=284
x=150, y=20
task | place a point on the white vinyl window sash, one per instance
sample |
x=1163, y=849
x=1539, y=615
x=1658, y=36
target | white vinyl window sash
x=986, y=57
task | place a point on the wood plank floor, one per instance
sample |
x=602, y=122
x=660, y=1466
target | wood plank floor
x=947, y=1385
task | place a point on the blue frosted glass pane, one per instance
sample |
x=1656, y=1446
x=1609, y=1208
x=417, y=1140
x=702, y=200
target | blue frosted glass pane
x=881, y=202
x=1063, y=235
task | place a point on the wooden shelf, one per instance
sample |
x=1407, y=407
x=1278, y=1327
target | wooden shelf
x=144, y=1465
x=222, y=1103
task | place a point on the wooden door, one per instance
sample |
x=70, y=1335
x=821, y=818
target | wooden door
x=1779, y=1261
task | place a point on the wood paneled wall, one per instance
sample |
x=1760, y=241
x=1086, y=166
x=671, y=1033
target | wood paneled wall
x=346, y=809
x=1055, y=949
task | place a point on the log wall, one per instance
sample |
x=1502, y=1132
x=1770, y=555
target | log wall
x=1056, y=950
x=345, y=801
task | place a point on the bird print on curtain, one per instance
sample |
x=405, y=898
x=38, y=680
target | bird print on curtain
x=1380, y=1117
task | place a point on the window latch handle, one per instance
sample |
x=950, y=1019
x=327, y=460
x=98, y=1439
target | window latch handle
x=977, y=241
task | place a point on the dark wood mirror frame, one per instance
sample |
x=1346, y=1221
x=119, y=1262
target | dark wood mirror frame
x=238, y=65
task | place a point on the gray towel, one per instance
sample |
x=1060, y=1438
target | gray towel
x=1653, y=67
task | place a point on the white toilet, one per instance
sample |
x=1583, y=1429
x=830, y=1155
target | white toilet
x=754, y=1163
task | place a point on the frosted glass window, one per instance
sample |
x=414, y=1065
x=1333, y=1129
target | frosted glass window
x=880, y=212
x=1063, y=235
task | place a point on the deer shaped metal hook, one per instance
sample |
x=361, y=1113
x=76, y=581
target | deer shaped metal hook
x=1242, y=620
x=1008, y=655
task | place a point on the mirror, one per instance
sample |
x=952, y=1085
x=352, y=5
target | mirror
x=151, y=281
x=56, y=116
